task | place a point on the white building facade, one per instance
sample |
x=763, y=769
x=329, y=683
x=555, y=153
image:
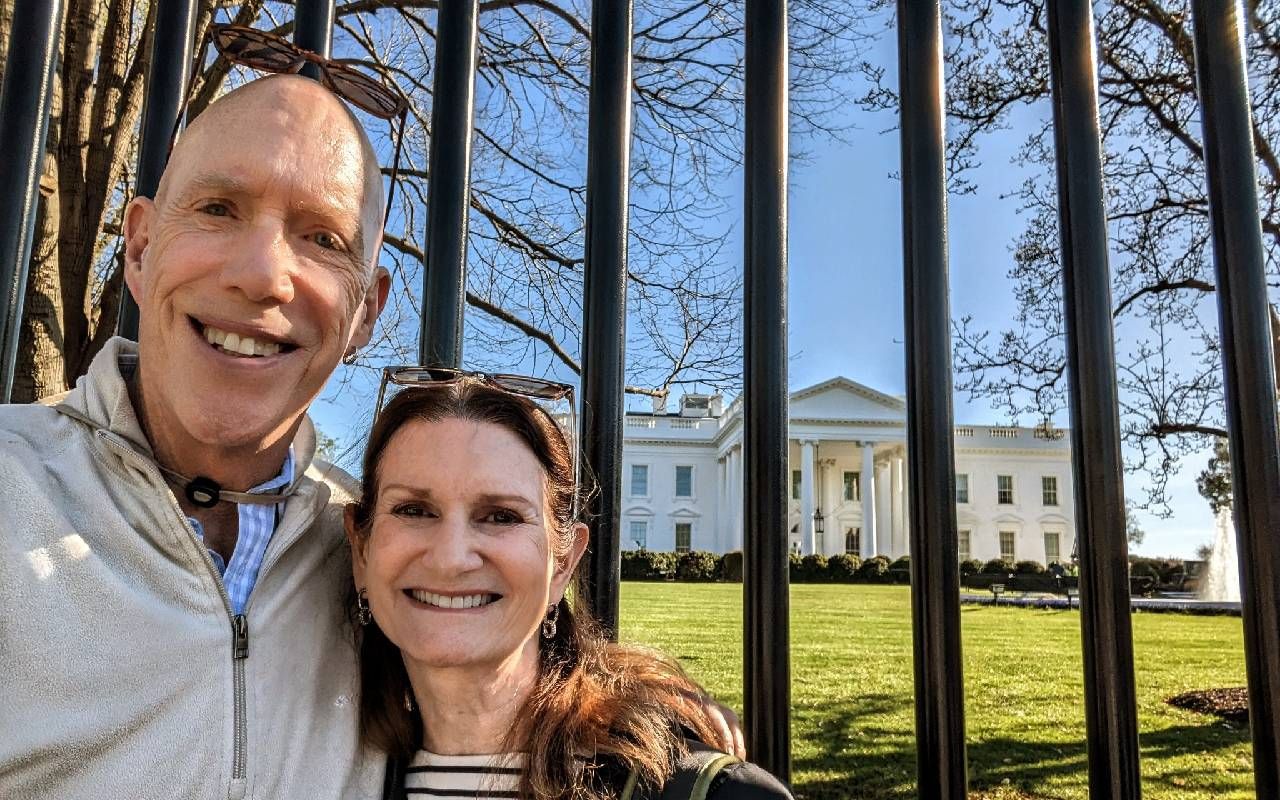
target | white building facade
x=683, y=480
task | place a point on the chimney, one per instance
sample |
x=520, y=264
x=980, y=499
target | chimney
x=660, y=404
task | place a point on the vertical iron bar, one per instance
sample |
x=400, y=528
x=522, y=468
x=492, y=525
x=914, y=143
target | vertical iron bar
x=1111, y=706
x=766, y=612
x=935, y=575
x=449, y=184
x=1248, y=372
x=25, y=98
x=313, y=30
x=167, y=77
x=605, y=294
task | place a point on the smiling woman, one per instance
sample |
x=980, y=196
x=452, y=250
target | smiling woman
x=478, y=670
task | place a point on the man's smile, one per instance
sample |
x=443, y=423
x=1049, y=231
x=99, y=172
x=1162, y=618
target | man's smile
x=241, y=343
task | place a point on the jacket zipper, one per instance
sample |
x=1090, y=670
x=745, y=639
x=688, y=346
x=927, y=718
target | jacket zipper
x=239, y=622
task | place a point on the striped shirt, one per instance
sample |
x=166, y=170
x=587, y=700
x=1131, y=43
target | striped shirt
x=256, y=525
x=471, y=777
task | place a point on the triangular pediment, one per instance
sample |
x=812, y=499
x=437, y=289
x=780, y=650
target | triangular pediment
x=843, y=399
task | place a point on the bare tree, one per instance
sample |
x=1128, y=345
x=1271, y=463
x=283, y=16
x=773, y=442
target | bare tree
x=1163, y=282
x=527, y=203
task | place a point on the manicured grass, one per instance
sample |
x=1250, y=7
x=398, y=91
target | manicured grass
x=852, y=690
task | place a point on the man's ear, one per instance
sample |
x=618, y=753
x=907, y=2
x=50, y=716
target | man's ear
x=357, y=542
x=375, y=299
x=566, y=567
x=137, y=235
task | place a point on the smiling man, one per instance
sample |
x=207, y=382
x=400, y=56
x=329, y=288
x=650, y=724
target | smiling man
x=172, y=562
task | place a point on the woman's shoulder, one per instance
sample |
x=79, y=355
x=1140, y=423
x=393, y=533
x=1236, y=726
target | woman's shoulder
x=745, y=781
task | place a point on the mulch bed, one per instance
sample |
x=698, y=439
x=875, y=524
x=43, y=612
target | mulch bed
x=1232, y=704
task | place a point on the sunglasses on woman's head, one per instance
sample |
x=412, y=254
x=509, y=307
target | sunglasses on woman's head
x=267, y=52
x=544, y=392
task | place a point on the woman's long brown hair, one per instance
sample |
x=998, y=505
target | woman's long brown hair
x=592, y=697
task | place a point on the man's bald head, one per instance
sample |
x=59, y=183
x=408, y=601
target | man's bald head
x=308, y=109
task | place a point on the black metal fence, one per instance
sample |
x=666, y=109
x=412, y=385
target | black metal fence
x=1110, y=706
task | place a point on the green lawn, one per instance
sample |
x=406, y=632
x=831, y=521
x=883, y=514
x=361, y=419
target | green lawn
x=853, y=720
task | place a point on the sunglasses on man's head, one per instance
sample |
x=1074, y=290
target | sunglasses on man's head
x=267, y=52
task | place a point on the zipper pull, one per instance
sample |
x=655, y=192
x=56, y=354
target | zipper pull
x=240, y=628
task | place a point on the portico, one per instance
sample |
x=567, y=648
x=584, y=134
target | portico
x=847, y=475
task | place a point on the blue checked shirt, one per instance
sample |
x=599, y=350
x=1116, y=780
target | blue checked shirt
x=257, y=524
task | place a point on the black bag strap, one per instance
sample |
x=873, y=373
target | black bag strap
x=690, y=780
x=393, y=781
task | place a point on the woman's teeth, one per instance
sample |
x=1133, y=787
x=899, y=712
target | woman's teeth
x=239, y=345
x=454, y=601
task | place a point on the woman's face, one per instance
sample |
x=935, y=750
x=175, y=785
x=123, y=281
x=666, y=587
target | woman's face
x=458, y=566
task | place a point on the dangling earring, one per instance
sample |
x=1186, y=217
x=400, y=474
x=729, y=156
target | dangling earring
x=363, y=614
x=409, y=705
x=549, y=622
x=349, y=358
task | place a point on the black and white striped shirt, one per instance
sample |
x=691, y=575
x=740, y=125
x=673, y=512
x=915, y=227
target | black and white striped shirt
x=488, y=777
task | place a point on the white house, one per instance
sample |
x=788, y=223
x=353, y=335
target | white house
x=683, y=479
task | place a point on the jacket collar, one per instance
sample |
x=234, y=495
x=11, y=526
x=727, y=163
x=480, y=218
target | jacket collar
x=101, y=401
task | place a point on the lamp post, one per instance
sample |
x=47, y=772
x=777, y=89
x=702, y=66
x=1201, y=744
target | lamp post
x=819, y=526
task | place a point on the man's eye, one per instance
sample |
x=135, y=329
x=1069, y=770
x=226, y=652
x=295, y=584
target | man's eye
x=327, y=240
x=215, y=209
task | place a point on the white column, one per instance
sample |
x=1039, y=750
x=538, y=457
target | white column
x=735, y=495
x=884, y=511
x=868, y=478
x=899, y=510
x=806, y=497
x=722, y=501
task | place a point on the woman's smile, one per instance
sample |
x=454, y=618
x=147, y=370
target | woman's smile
x=452, y=601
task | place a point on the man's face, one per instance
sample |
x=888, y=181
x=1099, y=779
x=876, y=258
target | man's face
x=252, y=271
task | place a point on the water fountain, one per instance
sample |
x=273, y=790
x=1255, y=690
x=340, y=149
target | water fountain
x=1221, y=581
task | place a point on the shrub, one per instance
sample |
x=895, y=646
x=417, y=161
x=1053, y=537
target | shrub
x=697, y=565
x=843, y=568
x=647, y=565
x=902, y=562
x=1029, y=568
x=731, y=566
x=997, y=566
x=793, y=567
x=874, y=570
x=811, y=569
x=971, y=567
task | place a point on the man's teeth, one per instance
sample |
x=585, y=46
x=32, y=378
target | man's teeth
x=242, y=345
x=454, y=601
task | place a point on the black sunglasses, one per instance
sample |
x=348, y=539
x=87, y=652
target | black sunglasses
x=267, y=52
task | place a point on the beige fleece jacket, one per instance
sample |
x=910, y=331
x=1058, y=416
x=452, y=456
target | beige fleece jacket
x=118, y=677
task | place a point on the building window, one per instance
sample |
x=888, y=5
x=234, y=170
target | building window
x=1052, y=548
x=962, y=546
x=639, y=480
x=639, y=533
x=1004, y=490
x=1006, y=546
x=795, y=484
x=852, y=486
x=684, y=537
x=853, y=539
x=962, y=488
x=684, y=481
x=1049, y=490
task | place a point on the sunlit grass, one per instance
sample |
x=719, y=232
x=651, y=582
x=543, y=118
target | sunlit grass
x=852, y=690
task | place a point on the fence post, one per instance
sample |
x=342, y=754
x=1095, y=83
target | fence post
x=605, y=294
x=766, y=605
x=1248, y=371
x=313, y=30
x=24, y=123
x=1111, y=707
x=167, y=80
x=935, y=573
x=444, y=281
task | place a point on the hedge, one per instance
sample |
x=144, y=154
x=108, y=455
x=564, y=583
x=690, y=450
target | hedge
x=697, y=565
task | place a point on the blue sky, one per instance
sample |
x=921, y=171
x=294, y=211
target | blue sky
x=845, y=287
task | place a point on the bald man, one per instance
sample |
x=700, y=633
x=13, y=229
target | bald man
x=172, y=563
